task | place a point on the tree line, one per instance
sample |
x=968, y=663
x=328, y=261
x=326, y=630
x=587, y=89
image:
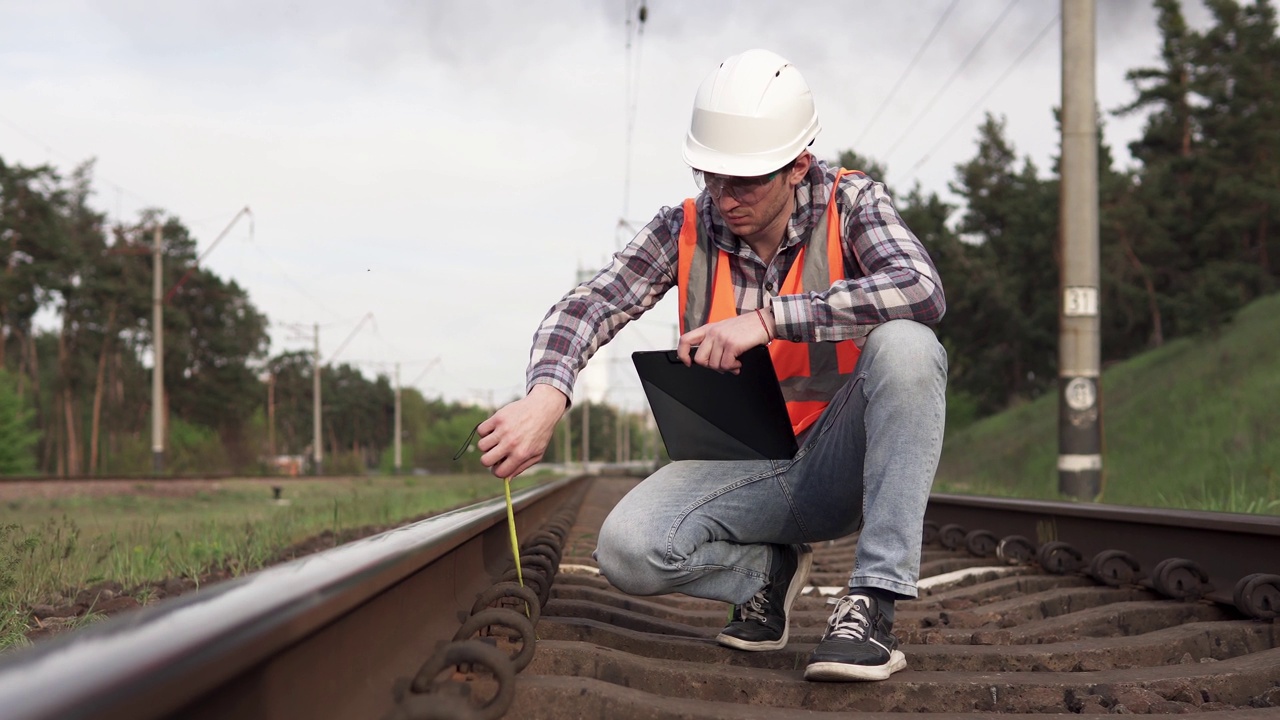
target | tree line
x=1187, y=237
x=75, y=356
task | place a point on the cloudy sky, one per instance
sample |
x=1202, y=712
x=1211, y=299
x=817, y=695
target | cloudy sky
x=449, y=166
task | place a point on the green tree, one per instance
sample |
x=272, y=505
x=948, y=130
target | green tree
x=215, y=339
x=1010, y=227
x=291, y=374
x=17, y=437
x=1238, y=75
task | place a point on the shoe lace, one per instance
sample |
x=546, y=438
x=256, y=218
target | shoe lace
x=754, y=609
x=850, y=620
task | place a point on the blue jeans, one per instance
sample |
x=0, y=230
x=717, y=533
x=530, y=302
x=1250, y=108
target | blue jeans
x=702, y=528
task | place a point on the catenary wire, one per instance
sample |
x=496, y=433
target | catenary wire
x=937, y=26
x=1035, y=42
x=637, y=15
x=959, y=69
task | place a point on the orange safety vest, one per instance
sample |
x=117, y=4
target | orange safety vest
x=810, y=372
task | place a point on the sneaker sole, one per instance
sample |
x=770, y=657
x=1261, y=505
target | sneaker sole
x=804, y=564
x=843, y=672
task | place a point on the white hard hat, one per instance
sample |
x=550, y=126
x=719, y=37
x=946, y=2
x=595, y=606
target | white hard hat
x=752, y=115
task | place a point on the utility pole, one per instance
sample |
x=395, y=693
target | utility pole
x=1079, y=347
x=317, y=451
x=157, y=371
x=586, y=432
x=271, y=415
x=397, y=418
x=568, y=439
x=617, y=435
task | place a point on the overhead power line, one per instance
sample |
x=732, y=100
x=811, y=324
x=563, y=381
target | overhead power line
x=97, y=176
x=367, y=318
x=637, y=15
x=1035, y=42
x=910, y=66
x=959, y=69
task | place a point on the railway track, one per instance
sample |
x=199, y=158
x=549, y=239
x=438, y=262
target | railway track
x=1025, y=609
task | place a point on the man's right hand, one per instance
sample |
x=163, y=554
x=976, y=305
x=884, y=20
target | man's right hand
x=517, y=435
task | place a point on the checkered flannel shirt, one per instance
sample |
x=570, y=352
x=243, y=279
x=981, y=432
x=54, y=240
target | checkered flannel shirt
x=889, y=276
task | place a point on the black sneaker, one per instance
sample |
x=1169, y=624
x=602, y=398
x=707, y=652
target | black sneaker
x=761, y=623
x=855, y=647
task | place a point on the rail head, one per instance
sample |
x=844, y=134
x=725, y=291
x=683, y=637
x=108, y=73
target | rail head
x=153, y=661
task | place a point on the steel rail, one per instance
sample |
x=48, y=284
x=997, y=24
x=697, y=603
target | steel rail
x=146, y=478
x=326, y=635
x=1226, y=546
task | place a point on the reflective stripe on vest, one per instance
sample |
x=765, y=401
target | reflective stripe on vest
x=810, y=373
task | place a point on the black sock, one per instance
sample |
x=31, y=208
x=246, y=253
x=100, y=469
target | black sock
x=885, y=598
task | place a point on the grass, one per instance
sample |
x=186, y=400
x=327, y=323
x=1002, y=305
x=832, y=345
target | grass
x=1192, y=425
x=51, y=547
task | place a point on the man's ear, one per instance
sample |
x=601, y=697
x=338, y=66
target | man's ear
x=799, y=168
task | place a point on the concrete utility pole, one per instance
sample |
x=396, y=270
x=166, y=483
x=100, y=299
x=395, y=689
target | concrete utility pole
x=397, y=418
x=1079, y=347
x=568, y=439
x=271, y=415
x=586, y=433
x=317, y=451
x=157, y=371
x=619, y=428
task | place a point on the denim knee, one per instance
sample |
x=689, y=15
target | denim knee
x=632, y=556
x=907, y=351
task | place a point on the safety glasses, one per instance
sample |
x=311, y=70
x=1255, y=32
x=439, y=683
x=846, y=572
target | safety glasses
x=742, y=189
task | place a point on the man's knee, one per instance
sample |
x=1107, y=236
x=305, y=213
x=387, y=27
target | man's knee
x=632, y=556
x=907, y=350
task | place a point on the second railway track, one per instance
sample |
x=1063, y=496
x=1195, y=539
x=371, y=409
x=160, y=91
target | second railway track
x=1025, y=609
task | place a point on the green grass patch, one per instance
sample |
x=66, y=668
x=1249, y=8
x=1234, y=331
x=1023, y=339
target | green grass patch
x=1193, y=425
x=50, y=547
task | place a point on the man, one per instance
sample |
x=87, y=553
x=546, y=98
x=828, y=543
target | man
x=777, y=249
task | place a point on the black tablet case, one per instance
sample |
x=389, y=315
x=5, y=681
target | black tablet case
x=703, y=414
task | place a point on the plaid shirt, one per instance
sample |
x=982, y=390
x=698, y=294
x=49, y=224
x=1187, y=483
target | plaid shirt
x=890, y=276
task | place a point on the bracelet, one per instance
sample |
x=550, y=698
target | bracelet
x=764, y=325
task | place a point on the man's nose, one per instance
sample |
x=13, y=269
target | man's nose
x=725, y=201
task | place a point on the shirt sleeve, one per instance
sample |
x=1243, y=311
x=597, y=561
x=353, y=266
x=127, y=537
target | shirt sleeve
x=894, y=275
x=592, y=313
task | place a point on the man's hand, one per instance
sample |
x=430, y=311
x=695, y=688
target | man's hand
x=516, y=436
x=720, y=343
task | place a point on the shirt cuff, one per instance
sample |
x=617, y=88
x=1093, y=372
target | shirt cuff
x=792, y=317
x=557, y=376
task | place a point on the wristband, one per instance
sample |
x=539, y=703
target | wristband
x=764, y=325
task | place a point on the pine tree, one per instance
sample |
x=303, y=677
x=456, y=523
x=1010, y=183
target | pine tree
x=17, y=437
x=1239, y=77
x=1010, y=223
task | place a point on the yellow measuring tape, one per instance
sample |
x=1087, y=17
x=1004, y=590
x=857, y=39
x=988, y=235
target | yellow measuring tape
x=515, y=544
x=511, y=525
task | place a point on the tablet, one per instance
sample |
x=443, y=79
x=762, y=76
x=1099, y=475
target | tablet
x=703, y=414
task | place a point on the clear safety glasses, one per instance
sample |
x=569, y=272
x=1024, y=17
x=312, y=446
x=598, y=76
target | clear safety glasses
x=742, y=189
